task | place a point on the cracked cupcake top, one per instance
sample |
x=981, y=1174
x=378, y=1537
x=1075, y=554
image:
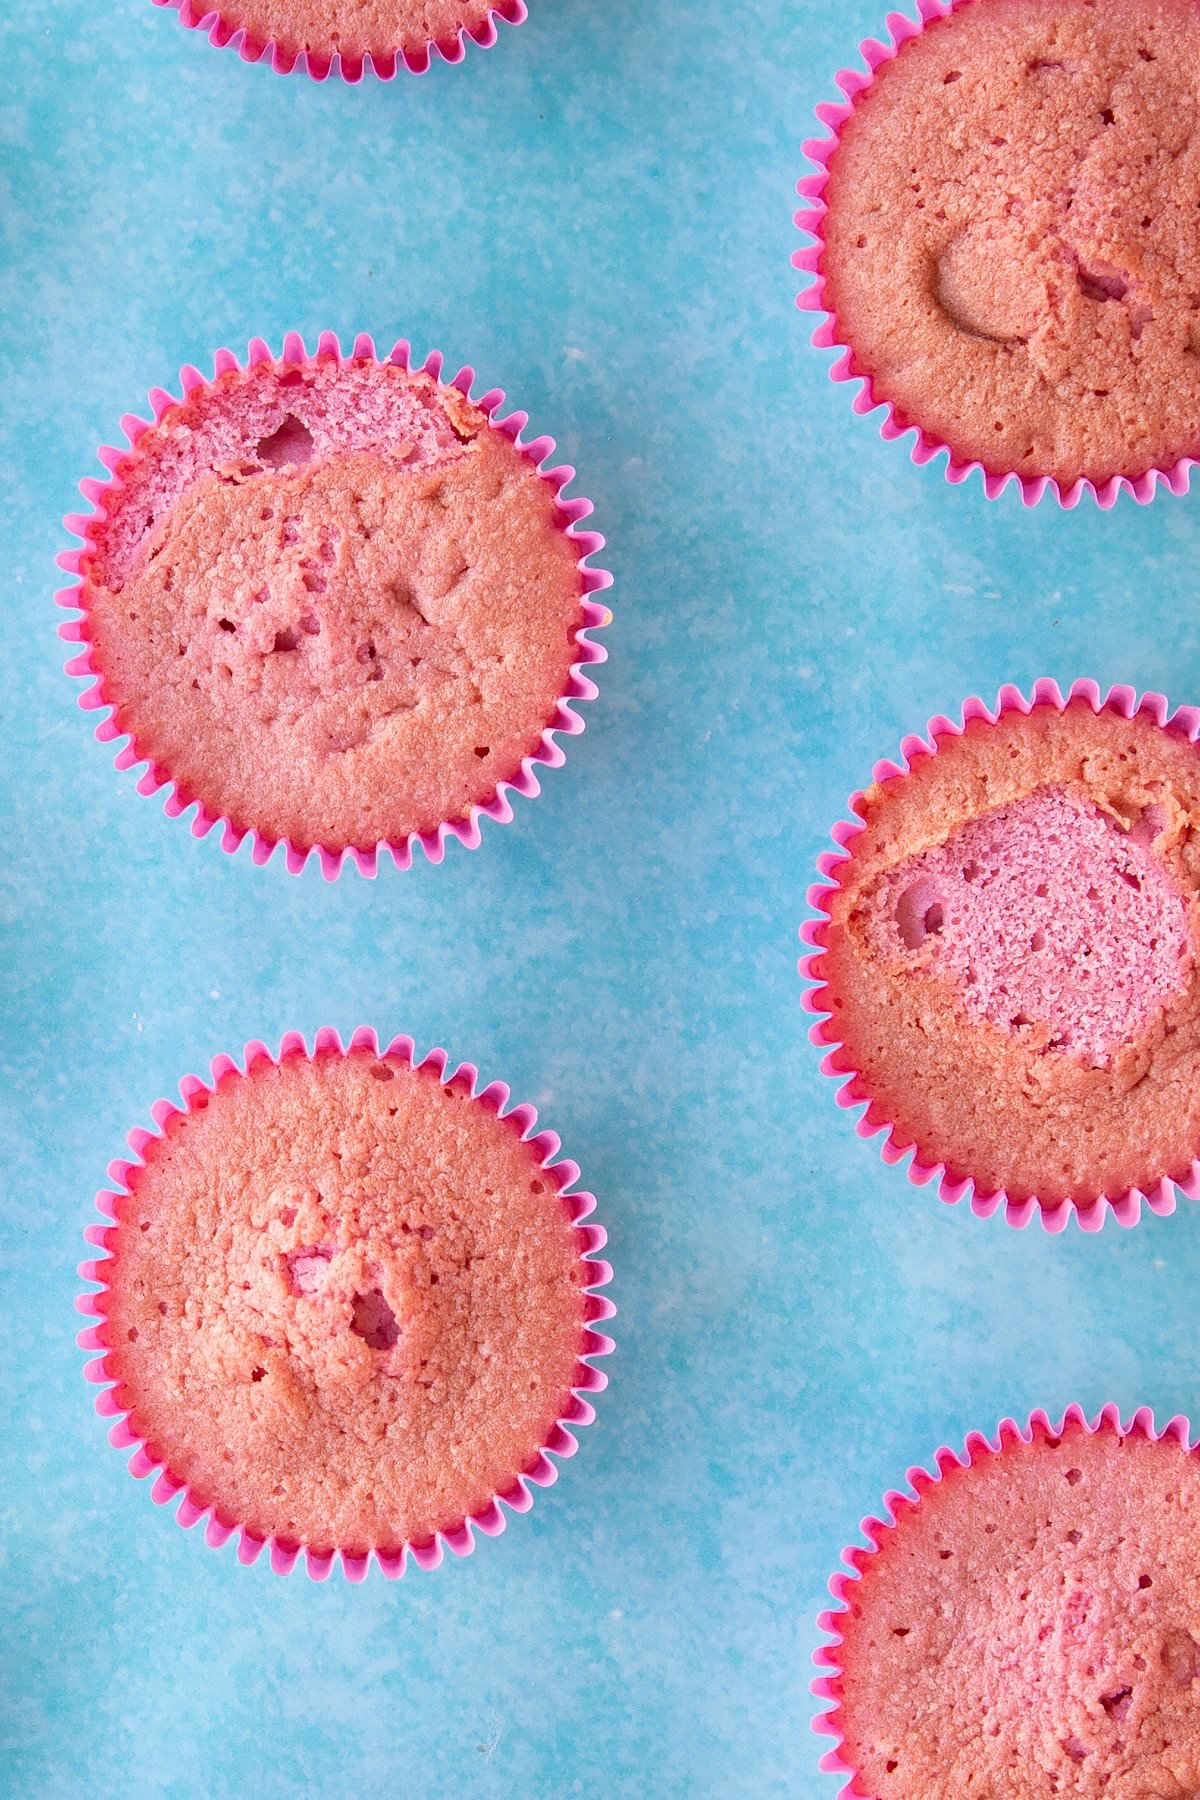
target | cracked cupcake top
x=1010, y=963
x=331, y=602
x=346, y=1301
x=1012, y=248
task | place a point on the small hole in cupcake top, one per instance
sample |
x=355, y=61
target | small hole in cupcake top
x=374, y=1321
x=1073, y=1537
x=381, y=1072
x=287, y=1215
x=291, y=446
x=901, y=1630
x=1101, y=284
x=537, y=1187
x=1117, y=1704
x=287, y=639
x=311, y=625
x=919, y=914
x=1073, y=1477
x=226, y=625
x=1145, y=1581
x=257, y=1374
x=482, y=750
x=132, y=1334
x=950, y=76
x=162, y=1307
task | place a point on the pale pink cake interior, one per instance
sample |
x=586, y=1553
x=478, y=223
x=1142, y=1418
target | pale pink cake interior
x=332, y=603
x=288, y=420
x=1049, y=917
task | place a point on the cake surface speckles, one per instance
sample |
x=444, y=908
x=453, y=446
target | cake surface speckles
x=1012, y=248
x=356, y=27
x=1031, y=1629
x=332, y=603
x=346, y=1304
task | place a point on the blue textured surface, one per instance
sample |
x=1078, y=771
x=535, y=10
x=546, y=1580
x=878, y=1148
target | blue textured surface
x=597, y=215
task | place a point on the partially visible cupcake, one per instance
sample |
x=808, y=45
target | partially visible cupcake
x=1029, y=1626
x=333, y=603
x=1009, y=956
x=345, y=1302
x=1010, y=250
x=351, y=35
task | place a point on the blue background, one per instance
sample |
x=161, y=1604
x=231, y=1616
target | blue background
x=597, y=215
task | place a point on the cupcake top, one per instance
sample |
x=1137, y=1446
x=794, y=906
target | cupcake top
x=1012, y=247
x=332, y=602
x=355, y=28
x=346, y=1302
x=1032, y=1627
x=1010, y=960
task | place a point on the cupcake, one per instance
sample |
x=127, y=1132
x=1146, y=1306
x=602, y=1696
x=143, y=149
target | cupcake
x=345, y=1302
x=335, y=605
x=346, y=35
x=1008, y=957
x=1009, y=246
x=1029, y=1625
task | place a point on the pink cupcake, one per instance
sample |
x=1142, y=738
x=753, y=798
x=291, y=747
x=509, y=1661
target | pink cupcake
x=1026, y=1622
x=347, y=38
x=1006, y=244
x=336, y=604
x=1007, y=956
x=346, y=1304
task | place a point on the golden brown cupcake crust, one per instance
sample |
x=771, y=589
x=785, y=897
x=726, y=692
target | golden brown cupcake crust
x=1032, y=1628
x=346, y=1302
x=1012, y=246
x=356, y=27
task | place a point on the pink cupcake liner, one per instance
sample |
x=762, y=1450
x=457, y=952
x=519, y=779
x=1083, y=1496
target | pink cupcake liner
x=852, y=1089
x=561, y=1441
x=828, y=334
x=827, y=1686
x=468, y=832
x=225, y=34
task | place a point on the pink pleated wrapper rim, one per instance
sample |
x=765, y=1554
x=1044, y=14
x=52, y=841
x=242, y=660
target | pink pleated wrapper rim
x=852, y=1088
x=566, y=721
x=857, y=1558
x=221, y=26
x=561, y=1442
x=828, y=335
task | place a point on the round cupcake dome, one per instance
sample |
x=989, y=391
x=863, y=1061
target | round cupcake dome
x=1004, y=241
x=1025, y=1619
x=347, y=1304
x=1004, y=959
x=334, y=603
x=323, y=37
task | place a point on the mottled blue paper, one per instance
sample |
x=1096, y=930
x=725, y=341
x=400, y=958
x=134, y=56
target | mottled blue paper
x=597, y=214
